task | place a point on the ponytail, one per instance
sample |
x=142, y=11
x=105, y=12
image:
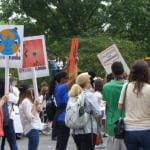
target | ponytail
x=52, y=85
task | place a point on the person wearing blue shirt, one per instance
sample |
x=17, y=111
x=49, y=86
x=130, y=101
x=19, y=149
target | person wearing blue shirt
x=59, y=87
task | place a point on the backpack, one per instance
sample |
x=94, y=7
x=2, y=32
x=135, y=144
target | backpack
x=76, y=117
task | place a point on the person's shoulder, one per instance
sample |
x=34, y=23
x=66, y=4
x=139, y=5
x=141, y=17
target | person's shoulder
x=89, y=94
x=15, y=88
x=26, y=101
x=97, y=93
x=62, y=86
x=108, y=84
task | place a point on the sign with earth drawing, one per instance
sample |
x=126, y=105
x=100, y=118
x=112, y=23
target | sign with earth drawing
x=11, y=45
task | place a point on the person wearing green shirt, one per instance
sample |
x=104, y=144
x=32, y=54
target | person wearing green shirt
x=111, y=93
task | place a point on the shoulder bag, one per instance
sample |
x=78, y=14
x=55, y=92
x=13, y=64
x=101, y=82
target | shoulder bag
x=119, y=124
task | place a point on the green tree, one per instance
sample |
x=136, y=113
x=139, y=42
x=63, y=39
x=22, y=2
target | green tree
x=129, y=18
x=64, y=18
x=56, y=17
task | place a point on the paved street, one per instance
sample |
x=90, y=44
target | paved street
x=45, y=144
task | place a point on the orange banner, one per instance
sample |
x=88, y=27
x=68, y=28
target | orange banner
x=72, y=62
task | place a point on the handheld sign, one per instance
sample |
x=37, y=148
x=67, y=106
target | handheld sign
x=10, y=49
x=34, y=60
x=11, y=45
x=109, y=56
x=72, y=64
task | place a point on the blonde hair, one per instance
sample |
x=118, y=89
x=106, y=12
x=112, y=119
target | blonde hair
x=75, y=90
x=82, y=79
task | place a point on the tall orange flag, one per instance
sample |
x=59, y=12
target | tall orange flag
x=73, y=56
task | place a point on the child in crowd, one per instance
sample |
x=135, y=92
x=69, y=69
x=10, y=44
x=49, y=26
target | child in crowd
x=98, y=86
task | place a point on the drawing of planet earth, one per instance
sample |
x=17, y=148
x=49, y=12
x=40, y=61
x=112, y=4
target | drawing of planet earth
x=9, y=41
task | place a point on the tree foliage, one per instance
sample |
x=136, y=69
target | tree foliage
x=57, y=18
x=98, y=24
x=130, y=18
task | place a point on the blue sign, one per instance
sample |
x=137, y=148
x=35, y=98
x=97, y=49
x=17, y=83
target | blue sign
x=9, y=41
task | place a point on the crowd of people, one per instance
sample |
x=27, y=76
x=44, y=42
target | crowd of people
x=100, y=103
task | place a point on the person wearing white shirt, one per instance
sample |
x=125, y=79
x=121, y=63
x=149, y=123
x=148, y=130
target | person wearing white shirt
x=137, y=107
x=14, y=109
x=29, y=111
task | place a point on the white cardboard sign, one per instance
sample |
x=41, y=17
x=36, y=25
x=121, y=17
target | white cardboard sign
x=11, y=45
x=109, y=56
x=40, y=70
x=26, y=73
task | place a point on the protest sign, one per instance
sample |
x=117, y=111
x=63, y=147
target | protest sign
x=26, y=73
x=11, y=46
x=109, y=56
x=72, y=64
x=34, y=60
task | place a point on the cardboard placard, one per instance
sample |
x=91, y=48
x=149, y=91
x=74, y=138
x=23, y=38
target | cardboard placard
x=109, y=56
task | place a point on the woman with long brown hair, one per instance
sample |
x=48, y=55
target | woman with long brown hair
x=29, y=111
x=137, y=107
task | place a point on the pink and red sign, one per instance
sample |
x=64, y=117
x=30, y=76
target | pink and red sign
x=33, y=54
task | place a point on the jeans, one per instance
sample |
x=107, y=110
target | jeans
x=136, y=140
x=33, y=137
x=85, y=141
x=10, y=136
